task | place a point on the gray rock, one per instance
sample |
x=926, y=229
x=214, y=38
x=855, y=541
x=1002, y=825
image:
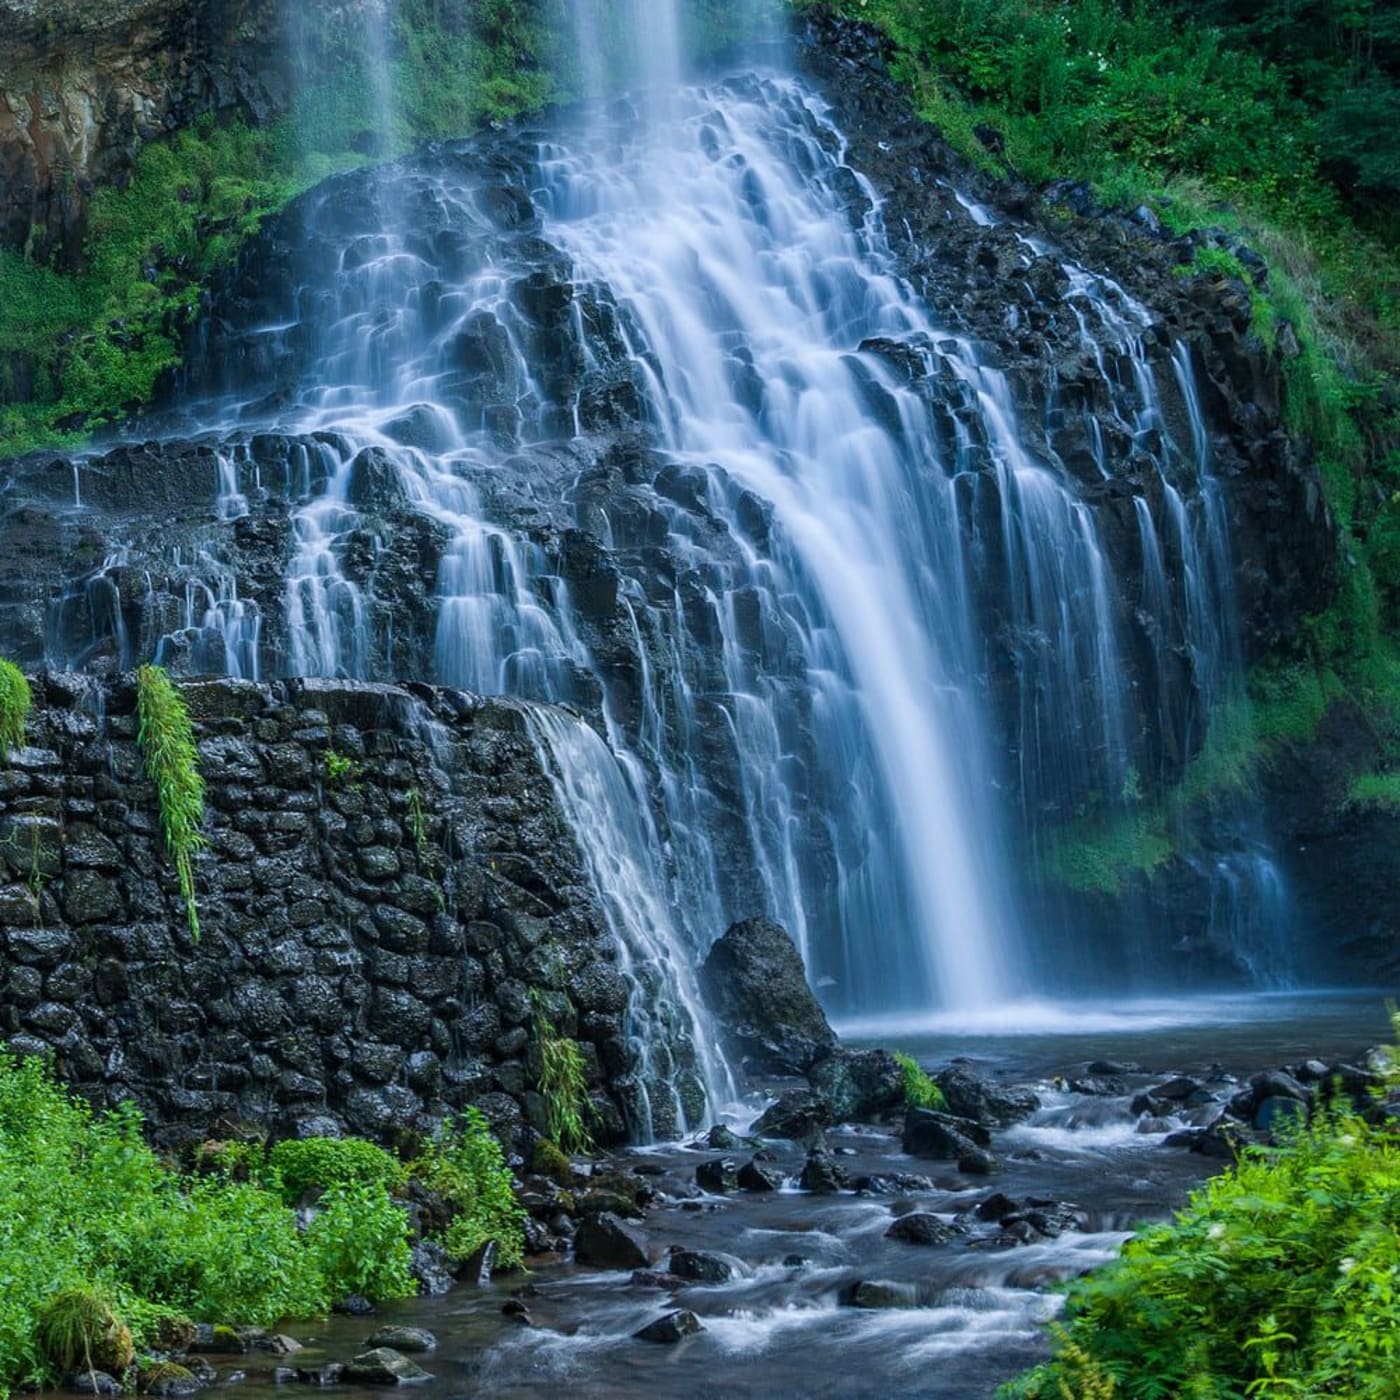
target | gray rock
x=754, y=982
x=672, y=1328
x=993, y=1105
x=717, y=1176
x=401, y=1338
x=928, y=1133
x=383, y=1366
x=822, y=1174
x=698, y=1266
x=859, y=1085
x=874, y=1294
x=759, y=1176
x=921, y=1227
x=608, y=1242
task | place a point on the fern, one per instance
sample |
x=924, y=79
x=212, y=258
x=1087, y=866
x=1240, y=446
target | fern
x=563, y=1084
x=166, y=739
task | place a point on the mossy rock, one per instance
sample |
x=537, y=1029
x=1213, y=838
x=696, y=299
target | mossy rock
x=549, y=1160
x=168, y=1378
x=78, y=1330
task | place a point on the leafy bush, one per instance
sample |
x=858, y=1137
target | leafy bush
x=463, y=1164
x=303, y=1164
x=166, y=739
x=15, y=700
x=1278, y=1277
x=360, y=1242
x=919, y=1090
x=126, y=1238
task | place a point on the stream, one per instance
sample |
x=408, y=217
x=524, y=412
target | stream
x=958, y=1318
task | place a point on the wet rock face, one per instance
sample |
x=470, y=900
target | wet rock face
x=84, y=84
x=366, y=923
x=757, y=988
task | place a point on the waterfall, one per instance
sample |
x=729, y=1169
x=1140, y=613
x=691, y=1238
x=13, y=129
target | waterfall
x=830, y=630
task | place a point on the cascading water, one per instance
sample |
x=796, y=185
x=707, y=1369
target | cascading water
x=837, y=630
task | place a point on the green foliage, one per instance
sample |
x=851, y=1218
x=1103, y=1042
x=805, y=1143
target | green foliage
x=341, y=770
x=919, y=1090
x=166, y=739
x=1278, y=1277
x=463, y=1164
x=1380, y=790
x=548, y=1159
x=360, y=1242
x=306, y=1164
x=1095, y=854
x=563, y=1083
x=93, y=1225
x=15, y=701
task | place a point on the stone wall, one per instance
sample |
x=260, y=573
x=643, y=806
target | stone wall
x=388, y=885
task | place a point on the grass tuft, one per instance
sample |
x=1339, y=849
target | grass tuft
x=15, y=702
x=166, y=739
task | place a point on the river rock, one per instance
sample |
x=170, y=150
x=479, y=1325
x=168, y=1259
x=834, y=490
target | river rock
x=921, y=1227
x=402, y=1338
x=941, y=1136
x=384, y=1366
x=608, y=1242
x=874, y=1294
x=822, y=1174
x=755, y=984
x=759, y=1176
x=798, y=1115
x=698, y=1266
x=992, y=1105
x=859, y=1085
x=92, y=1383
x=718, y=1177
x=674, y=1327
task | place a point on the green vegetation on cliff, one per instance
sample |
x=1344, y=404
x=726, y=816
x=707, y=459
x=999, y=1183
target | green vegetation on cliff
x=15, y=701
x=1277, y=1279
x=166, y=739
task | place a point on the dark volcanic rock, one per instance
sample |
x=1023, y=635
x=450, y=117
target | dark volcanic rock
x=607, y=1242
x=859, y=1085
x=674, y=1327
x=755, y=984
x=928, y=1133
x=992, y=1105
x=920, y=1228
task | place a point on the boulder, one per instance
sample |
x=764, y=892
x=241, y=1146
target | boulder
x=699, y=1266
x=754, y=982
x=403, y=1338
x=993, y=1105
x=607, y=1242
x=384, y=1366
x=672, y=1328
x=717, y=1176
x=921, y=1227
x=822, y=1174
x=941, y=1136
x=870, y=1293
x=859, y=1085
x=759, y=1176
x=797, y=1115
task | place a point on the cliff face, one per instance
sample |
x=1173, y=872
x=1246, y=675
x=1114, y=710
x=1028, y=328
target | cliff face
x=84, y=84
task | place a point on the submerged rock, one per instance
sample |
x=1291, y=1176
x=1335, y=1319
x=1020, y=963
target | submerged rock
x=699, y=1266
x=755, y=984
x=674, y=1327
x=403, y=1338
x=384, y=1366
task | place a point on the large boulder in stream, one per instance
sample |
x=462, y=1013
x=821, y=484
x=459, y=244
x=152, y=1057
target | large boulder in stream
x=757, y=988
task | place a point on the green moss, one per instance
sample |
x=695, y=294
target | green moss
x=548, y=1159
x=15, y=702
x=919, y=1090
x=78, y=1330
x=166, y=739
x=1376, y=790
x=1095, y=856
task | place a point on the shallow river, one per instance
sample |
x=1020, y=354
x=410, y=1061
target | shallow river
x=970, y=1312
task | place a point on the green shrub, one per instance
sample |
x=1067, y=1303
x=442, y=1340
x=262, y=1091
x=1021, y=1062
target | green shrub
x=1278, y=1277
x=360, y=1242
x=166, y=739
x=463, y=1164
x=919, y=1090
x=124, y=1235
x=15, y=700
x=305, y=1164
